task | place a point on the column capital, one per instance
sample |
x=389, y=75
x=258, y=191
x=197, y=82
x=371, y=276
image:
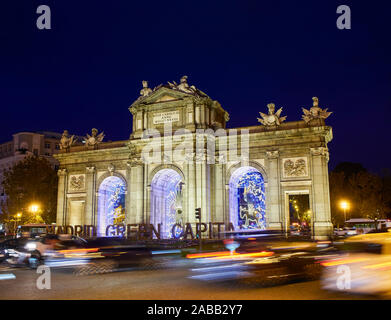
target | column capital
x=320, y=151
x=272, y=154
x=62, y=172
x=90, y=169
x=134, y=163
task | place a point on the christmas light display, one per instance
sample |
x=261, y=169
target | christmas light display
x=247, y=199
x=111, y=202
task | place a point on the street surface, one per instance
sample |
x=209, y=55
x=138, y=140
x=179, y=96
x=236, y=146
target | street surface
x=165, y=284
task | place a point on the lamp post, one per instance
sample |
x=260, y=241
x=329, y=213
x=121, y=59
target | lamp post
x=34, y=209
x=17, y=216
x=344, y=205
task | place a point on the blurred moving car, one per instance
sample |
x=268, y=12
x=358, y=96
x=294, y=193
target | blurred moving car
x=274, y=262
x=364, y=265
x=83, y=257
x=99, y=255
x=13, y=251
x=344, y=232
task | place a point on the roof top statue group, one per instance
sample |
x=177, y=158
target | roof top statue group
x=271, y=119
x=275, y=119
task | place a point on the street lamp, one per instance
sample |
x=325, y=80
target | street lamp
x=34, y=208
x=344, y=205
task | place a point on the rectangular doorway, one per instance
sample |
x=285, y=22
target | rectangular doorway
x=300, y=218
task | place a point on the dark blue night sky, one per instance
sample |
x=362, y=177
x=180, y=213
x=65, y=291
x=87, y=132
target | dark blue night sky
x=87, y=70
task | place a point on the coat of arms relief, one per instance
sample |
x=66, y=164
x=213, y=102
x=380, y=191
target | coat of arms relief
x=295, y=167
x=76, y=182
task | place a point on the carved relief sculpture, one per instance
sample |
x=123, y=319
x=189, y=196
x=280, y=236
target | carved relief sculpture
x=271, y=119
x=315, y=112
x=76, y=183
x=295, y=167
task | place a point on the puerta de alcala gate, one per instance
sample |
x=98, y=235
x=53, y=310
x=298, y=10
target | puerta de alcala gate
x=180, y=156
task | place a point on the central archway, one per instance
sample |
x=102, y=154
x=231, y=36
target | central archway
x=165, y=200
x=247, y=207
x=111, y=203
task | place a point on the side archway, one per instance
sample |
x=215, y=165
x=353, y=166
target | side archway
x=111, y=202
x=247, y=201
x=166, y=200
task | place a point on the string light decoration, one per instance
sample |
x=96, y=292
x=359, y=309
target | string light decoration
x=165, y=189
x=111, y=203
x=247, y=199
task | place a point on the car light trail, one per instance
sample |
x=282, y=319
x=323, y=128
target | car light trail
x=384, y=265
x=342, y=261
x=7, y=276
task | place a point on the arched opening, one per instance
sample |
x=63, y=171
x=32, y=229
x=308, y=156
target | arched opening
x=166, y=201
x=111, y=203
x=247, y=199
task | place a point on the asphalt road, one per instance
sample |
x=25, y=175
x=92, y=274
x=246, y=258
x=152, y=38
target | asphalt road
x=166, y=284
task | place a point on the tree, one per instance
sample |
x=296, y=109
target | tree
x=367, y=193
x=366, y=190
x=30, y=181
x=338, y=191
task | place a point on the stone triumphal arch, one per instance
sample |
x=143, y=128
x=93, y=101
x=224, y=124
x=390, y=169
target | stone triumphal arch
x=181, y=156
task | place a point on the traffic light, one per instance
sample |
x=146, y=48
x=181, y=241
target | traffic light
x=198, y=213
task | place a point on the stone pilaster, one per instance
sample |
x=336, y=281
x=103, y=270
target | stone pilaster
x=61, y=196
x=320, y=193
x=136, y=193
x=191, y=189
x=273, y=216
x=90, y=210
x=219, y=190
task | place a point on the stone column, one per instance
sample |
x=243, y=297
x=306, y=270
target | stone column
x=219, y=190
x=226, y=205
x=136, y=194
x=89, y=212
x=191, y=189
x=128, y=198
x=273, y=208
x=61, y=196
x=320, y=193
x=147, y=206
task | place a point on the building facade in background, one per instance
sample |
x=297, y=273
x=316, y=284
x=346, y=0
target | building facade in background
x=24, y=144
x=180, y=156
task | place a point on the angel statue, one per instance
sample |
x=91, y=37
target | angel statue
x=66, y=141
x=315, y=112
x=94, y=139
x=271, y=119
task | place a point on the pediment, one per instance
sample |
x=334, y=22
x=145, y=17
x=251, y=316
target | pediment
x=166, y=98
x=161, y=94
